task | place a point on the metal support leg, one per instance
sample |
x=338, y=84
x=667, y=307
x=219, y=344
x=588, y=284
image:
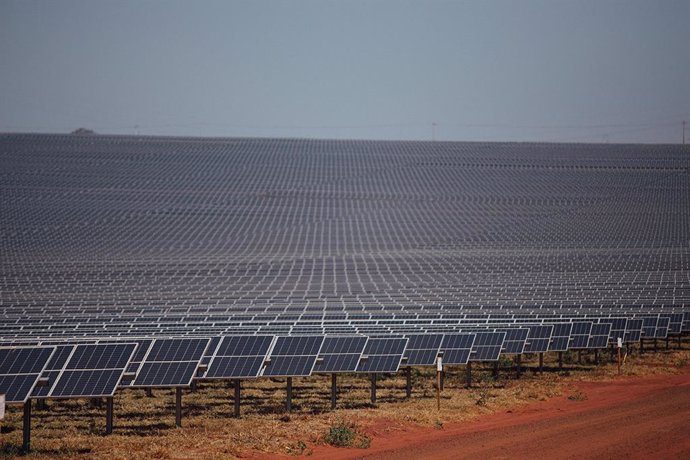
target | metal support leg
x=468, y=369
x=149, y=392
x=541, y=363
x=288, y=404
x=596, y=357
x=178, y=407
x=679, y=345
x=26, y=444
x=109, y=415
x=237, y=398
x=518, y=365
x=579, y=356
x=334, y=390
x=560, y=360
x=641, y=346
x=495, y=372
x=192, y=387
x=667, y=342
x=408, y=382
x=373, y=388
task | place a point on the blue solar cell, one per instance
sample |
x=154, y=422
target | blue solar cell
x=487, y=346
x=166, y=374
x=382, y=355
x=20, y=369
x=92, y=370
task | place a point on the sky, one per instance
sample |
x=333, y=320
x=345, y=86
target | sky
x=484, y=70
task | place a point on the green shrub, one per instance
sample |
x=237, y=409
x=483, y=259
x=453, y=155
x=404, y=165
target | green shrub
x=341, y=435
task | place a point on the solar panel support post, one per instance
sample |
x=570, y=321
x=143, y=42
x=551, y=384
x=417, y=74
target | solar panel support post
x=541, y=363
x=641, y=346
x=579, y=356
x=192, y=387
x=679, y=343
x=408, y=382
x=109, y=415
x=178, y=407
x=373, y=388
x=596, y=357
x=334, y=390
x=518, y=365
x=468, y=370
x=656, y=345
x=26, y=428
x=41, y=404
x=438, y=389
x=288, y=402
x=667, y=342
x=560, y=360
x=149, y=392
x=495, y=371
x=237, y=398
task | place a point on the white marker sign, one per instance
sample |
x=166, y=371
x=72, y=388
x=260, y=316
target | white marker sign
x=2, y=407
x=439, y=365
x=620, y=342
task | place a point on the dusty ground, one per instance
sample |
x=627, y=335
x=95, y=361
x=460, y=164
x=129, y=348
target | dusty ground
x=585, y=410
x=625, y=418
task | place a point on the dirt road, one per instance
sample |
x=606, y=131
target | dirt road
x=629, y=418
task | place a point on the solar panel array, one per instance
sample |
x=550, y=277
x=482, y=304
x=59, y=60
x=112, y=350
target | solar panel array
x=88, y=370
x=20, y=369
x=170, y=363
x=300, y=256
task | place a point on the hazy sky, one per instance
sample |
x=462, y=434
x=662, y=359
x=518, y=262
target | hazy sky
x=551, y=70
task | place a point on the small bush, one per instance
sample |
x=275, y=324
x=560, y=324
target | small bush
x=578, y=396
x=341, y=435
x=344, y=434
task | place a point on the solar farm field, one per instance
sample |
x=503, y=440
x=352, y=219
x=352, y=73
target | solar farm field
x=214, y=266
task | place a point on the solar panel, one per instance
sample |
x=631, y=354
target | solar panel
x=618, y=326
x=239, y=357
x=633, y=330
x=92, y=371
x=560, y=336
x=599, y=335
x=514, y=342
x=675, y=324
x=487, y=346
x=538, y=339
x=456, y=348
x=52, y=370
x=20, y=369
x=293, y=356
x=422, y=349
x=382, y=355
x=661, y=330
x=171, y=363
x=340, y=354
x=579, y=335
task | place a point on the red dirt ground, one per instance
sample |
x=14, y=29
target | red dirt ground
x=628, y=418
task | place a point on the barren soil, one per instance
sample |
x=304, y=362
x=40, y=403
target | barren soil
x=630, y=417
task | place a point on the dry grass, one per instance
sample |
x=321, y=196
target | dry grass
x=144, y=426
